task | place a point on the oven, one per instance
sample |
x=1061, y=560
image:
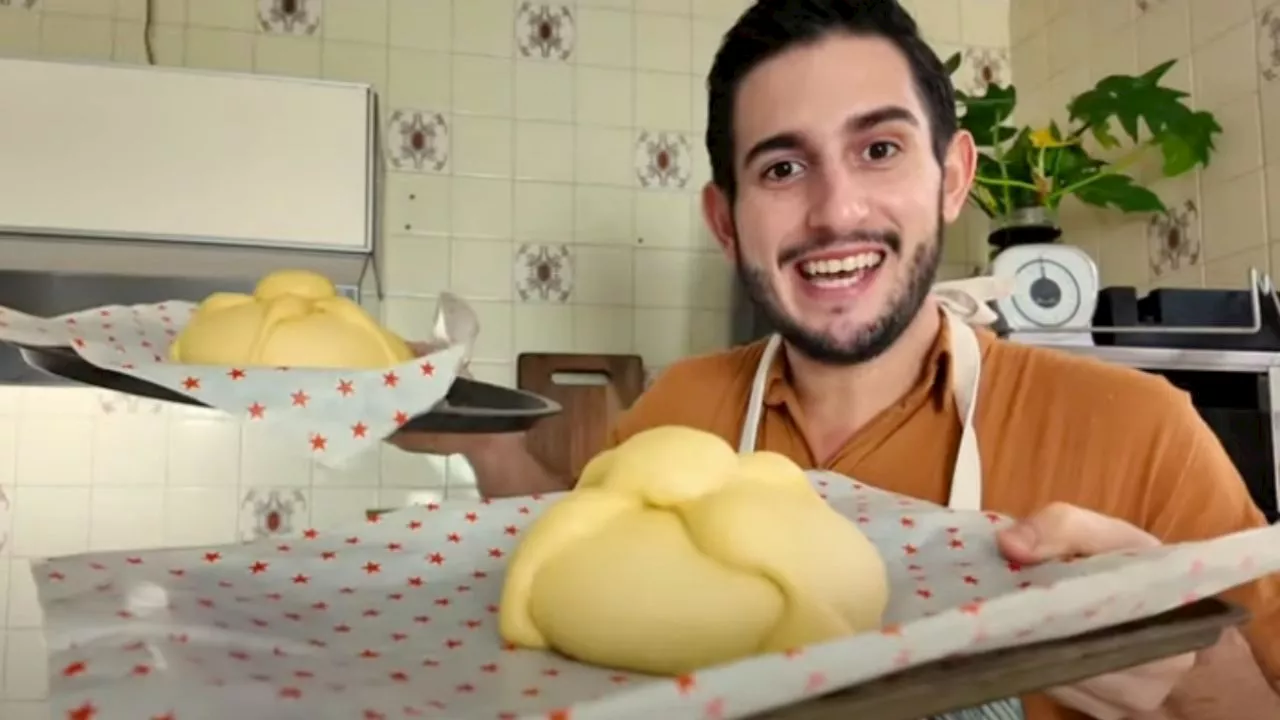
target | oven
x=1236, y=392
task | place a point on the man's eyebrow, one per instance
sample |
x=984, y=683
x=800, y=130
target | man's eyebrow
x=781, y=141
x=861, y=122
x=881, y=116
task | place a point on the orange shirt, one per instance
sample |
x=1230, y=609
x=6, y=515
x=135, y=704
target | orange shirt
x=1051, y=427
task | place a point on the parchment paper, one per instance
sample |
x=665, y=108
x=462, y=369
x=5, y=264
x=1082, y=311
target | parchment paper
x=396, y=618
x=329, y=416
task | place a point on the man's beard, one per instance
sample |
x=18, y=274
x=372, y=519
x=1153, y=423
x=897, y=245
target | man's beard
x=871, y=341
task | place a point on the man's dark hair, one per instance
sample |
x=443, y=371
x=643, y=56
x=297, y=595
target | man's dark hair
x=770, y=27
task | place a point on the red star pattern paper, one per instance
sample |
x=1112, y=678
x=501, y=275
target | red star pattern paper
x=397, y=618
x=328, y=416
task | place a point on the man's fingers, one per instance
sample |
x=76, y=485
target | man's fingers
x=1062, y=530
x=428, y=443
x=1143, y=689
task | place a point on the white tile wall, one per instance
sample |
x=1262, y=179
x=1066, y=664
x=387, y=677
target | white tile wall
x=542, y=165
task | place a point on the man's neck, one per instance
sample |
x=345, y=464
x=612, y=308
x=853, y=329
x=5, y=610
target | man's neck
x=842, y=399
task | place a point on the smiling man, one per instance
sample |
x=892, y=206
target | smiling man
x=836, y=165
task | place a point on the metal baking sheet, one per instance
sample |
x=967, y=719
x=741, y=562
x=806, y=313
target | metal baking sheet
x=967, y=682
x=470, y=407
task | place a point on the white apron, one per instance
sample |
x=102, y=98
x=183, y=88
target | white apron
x=959, y=299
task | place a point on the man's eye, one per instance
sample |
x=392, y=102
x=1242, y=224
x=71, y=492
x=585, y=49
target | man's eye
x=880, y=151
x=783, y=170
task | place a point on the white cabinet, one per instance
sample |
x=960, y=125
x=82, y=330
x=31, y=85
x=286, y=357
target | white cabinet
x=158, y=154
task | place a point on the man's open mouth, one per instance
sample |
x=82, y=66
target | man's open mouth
x=840, y=271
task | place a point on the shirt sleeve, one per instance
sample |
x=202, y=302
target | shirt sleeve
x=707, y=392
x=665, y=402
x=1196, y=493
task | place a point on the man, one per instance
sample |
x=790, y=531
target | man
x=836, y=164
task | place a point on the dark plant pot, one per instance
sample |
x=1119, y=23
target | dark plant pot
x=1027, y=226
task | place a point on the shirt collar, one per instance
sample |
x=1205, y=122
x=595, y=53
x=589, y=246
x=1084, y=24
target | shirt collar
x=935, y=380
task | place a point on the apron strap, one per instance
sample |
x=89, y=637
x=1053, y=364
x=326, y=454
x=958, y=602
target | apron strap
x=755, y=403
x=966, y=377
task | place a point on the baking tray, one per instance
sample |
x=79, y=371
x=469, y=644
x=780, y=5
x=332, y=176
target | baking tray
x=470, y=406
x=970, y=681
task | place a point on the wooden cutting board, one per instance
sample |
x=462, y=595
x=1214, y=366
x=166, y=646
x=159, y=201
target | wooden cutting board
x=593, y=390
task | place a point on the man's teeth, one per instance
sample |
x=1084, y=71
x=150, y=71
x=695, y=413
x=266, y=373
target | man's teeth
x=841, y=266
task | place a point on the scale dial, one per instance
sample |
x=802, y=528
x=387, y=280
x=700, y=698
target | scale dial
x=1055, y=287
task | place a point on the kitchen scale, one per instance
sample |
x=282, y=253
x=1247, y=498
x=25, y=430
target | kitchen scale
x=1054, y=296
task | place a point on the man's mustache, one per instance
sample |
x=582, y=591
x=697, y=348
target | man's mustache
x=888, y=238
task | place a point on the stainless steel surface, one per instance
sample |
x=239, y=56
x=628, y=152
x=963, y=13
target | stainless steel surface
x=53, y=294
x=138, y=257
x=1259, y=285
x=1146, y=358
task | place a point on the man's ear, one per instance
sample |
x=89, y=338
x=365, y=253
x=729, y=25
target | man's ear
x=958, y=169
x=718, y=213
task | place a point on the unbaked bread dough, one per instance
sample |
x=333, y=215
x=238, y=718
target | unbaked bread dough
x=294, y=318
x=674, y=553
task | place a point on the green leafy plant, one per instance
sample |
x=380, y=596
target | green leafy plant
x=1024, y=167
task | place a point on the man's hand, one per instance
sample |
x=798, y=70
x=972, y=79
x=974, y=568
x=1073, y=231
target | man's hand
x=1061, y=531
x=502, y=462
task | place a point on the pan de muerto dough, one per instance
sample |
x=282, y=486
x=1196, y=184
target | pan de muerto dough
x=294, y=318
x=674, y=553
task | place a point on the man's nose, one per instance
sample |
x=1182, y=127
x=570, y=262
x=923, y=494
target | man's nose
x=839, y=203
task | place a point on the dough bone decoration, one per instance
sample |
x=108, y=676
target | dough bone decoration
x=295, y=318
x=675, y=553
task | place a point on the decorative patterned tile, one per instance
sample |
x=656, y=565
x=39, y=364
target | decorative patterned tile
x=544, y=273
x=545, y=31
x=981, y=67
x=1269, y=43
x=290, y=17
x=663, y=159
x=267, y=513
x=1174, y=240
x=417, y=141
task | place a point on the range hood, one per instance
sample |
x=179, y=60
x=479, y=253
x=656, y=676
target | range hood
x=187, y=173
x=163, y=259
x=184, y=183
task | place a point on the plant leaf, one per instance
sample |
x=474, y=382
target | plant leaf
x=952, y=64
x=1102, y=133
x=1074, y=165
x=986, y=117
x=1157, y=73
x=1119, y=192
x=984, y=200
x=1179, y=156
x=1185, y=137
